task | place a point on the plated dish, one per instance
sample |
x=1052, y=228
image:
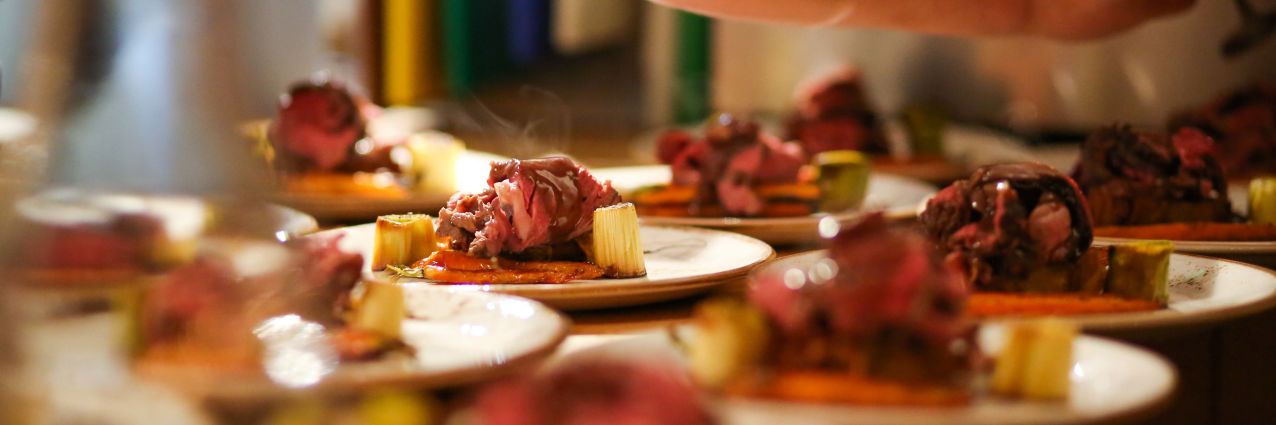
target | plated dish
x=548, y=229
x=1202, y=291
x=329, y=145
x=898, y=196
x=679, y=261
x=458, y=338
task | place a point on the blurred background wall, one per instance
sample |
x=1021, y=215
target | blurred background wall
x=618, y=68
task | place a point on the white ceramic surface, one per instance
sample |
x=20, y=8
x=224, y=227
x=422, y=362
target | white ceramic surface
x=1202, y=290
x=897, y=196
x=680, y=261
x=459, y=337
x=15, y=124
x=471, y=175
x=182, y=216
x=1111, y=382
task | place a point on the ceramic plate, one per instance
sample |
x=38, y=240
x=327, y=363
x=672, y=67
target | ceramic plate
x=1111, y=382
x=898, y=196
x=182, y=216
x=680, y=261
x=460, y=337
x=471, y=175
x=1203, y=291
x=15, y=124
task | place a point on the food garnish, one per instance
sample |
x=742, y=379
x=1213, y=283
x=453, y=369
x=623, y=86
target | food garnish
x=1036, y=360
x=1140, y=270
x=380, y=310
x=614, y=245
x=731, y=337
x=403, y=239
x=1262, y=203
x=843, y=180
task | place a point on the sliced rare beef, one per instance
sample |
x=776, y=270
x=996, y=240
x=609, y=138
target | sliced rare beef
x=728, y=162
x=317, y=126
x=1134, y=177
x=528, y=203
x=1008, y=220
x=1243, y=123
x=834, y=114
x=884, y=293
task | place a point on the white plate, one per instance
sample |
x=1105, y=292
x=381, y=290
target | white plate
x=681, y=261
x=183, y=216
x=1211, y=248
x=1111, y=382
x=471, y=175
x=460, y=338
x=1203, y=291
x=897, y=196
x=15, y=124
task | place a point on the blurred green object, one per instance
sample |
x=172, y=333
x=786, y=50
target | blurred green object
x=1262, y=200
x=843, y=179
x=925, y=126
x=693, y=68
x=397, y=408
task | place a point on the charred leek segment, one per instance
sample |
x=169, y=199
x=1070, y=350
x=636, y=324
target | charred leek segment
x=402, y=239
x=1262, y=200
x=1036, y=360
x=1141, y=270
x=731, y=337
x=843, y=180
x=380, y=310
x=616, y=248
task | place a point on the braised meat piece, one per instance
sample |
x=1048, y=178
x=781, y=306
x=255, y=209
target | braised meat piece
x=1133, y=178
x=317, y=126
x=883, y=304
x=528, y=203
x=732, y=158
x=594, y=391
x=1008, y=220
x=834, y=114
x=1244, y=125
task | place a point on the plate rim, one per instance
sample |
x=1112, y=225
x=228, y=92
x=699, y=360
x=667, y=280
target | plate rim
x=1155, y=403
x=1203, y=247
x=1117, y=322
x=256, y=385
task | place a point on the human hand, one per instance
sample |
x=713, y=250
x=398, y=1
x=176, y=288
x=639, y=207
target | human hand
x=1059, y=19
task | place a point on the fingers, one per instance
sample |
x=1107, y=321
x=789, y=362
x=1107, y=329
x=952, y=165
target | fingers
x=1087, y=19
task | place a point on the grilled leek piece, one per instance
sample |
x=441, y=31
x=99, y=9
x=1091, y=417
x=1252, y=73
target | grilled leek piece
x=1036, y=360
x=1262, y=200
x=1141, y=270
x=731, y=337
x=615, y=243
x=381, y=309
x=402, y=239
